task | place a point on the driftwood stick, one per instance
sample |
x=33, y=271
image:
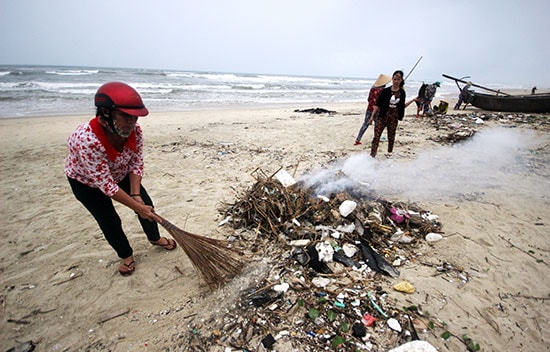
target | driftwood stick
x=504, y=296
x=179, y=270
x=76, y=275
x=492, y=323
x=524, y=251
x=116, y=315
x=189, y=316
x=38, y=311
x=297, y=164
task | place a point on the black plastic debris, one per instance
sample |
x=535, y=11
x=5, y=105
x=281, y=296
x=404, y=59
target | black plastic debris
x=376, y=262
x=316, y=111
x=268, y=341
x=260, y=299
x=359, y=330
x=300, y=256
x=342, y=258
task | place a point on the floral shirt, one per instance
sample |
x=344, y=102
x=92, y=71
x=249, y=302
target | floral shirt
x=95, y=163
x=373, y=97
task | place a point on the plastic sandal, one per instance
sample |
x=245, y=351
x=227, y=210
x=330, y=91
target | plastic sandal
x=169, y=245
x=127, y=269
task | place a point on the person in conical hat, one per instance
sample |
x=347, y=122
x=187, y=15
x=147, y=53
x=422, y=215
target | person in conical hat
x=382, y=80
x=374, y=92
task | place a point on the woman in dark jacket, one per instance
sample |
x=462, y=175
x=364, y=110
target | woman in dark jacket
x=391, y=109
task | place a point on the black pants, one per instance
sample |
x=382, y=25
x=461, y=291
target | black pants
x=102, y=209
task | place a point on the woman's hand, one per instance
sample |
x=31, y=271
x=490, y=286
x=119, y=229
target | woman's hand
x=147, y=212
x=136, y=203
x=144, y=211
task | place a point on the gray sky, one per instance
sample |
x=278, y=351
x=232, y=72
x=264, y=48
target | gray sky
x=493, y=41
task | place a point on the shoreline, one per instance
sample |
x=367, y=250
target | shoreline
x=201, y=108
x=448, y=97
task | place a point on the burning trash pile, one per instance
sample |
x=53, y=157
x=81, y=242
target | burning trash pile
x=331, y=262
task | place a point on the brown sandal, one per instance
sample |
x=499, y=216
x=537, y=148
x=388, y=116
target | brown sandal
x=169, y=245
x=127, y=269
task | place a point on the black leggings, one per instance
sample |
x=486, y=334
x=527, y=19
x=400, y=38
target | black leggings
x=102, y=209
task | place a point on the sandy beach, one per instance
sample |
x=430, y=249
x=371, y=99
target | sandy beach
x=61, y=288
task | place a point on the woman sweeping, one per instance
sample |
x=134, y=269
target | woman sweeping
x=105, y=162
x=390, y=107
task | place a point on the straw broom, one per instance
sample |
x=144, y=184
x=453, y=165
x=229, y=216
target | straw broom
x=215, y=261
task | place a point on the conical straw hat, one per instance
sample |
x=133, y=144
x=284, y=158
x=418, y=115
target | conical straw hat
x=382, y=80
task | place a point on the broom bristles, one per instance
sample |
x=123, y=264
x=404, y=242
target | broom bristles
x=213, y=259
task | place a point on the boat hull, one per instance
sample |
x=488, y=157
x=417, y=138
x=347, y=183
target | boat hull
x=534, y=103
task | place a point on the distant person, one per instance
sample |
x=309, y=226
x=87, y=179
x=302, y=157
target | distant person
x=442, y=108
x=464, y=95
x=426, y=100
x=420, y=97
x=390, y=108
x=374, y=92
x=105, y=162
x=533, y=89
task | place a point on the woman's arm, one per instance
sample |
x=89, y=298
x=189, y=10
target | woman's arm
x=135, y=183
x=144, y=211
x=410, y=102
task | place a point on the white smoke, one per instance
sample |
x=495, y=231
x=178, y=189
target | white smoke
x=492, y=159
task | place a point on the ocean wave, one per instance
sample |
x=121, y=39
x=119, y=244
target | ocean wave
x=26, y=90
x=248, y=86
x=181, y=75
x=61, y=87
x=16, y=73
x=9, y=98
x=26, y=85
x=150, y=73
x=107, y=72
x=72, y=72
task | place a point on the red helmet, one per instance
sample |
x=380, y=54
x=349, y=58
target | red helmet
x=118, y=95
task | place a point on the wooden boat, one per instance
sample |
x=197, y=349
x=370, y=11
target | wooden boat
x=528, y=103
